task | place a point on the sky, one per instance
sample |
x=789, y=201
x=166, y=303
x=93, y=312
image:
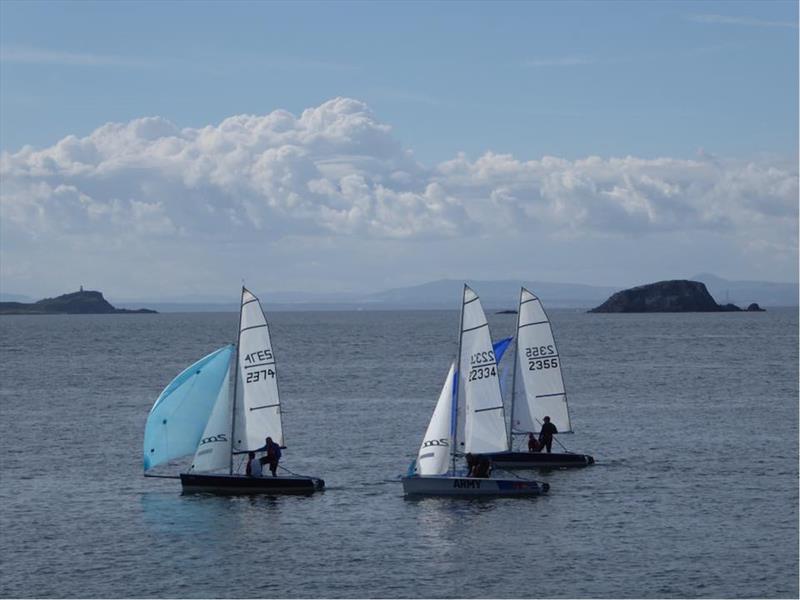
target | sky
x=164, y=149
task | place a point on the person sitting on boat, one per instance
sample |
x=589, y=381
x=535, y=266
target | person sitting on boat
x=483, y=469
x=546, y=434
x=472, y=463
x=253, y=465
x=533, y=443
x=273, y=451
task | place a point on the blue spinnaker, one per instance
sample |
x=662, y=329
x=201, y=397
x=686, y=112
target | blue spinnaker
x=501, y=347
x=176, y=422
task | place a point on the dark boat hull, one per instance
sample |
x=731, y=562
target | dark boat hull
x=196, y=483
x=470, y=487
x=539, y=460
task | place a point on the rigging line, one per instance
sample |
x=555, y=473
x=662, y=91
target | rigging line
x=292, y=472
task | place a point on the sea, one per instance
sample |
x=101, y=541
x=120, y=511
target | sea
x=692, y=419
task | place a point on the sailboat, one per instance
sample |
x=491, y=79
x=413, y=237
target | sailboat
x=197, y=413
x=470, y=407
x=537, y=390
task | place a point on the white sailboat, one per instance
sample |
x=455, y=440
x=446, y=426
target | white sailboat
x=537, y=390
x=198, y=413
x=469, y=412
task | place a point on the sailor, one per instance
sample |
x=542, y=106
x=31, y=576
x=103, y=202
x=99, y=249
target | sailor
x=533, y=443
x=472, y=463
x=273, y=451
x=546, y=434
x=483, y=468
x=253, y=465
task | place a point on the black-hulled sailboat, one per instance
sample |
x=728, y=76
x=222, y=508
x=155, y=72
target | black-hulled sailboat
x=537, y=391
x=469, y=413
x=197, y=412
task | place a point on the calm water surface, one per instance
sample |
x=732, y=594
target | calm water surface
x=693, y=420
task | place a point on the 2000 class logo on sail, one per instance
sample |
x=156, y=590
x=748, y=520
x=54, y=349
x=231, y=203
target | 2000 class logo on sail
x=220, y=437
x=439, y=442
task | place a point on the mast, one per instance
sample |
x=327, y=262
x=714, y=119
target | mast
x=458, y=380
x=235, y=380
x=514, y=376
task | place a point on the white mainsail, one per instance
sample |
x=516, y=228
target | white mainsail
x=434, y=453
x=479, y=384
x=258, y=410
x=539, y=385
x=214, y=450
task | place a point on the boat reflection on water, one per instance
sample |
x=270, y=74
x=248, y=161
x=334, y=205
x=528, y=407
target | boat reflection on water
x=205, y=514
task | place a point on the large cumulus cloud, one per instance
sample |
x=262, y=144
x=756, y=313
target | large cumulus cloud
x=337, y=170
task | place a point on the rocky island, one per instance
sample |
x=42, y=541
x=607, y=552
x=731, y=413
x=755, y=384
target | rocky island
x=76, y=303
x=678, y=295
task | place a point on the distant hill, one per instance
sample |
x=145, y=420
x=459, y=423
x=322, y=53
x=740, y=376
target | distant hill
x=765, y=293
x=445, y=293
x=76, y=303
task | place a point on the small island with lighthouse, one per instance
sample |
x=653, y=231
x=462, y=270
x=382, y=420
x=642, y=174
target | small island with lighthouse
x=81, y=302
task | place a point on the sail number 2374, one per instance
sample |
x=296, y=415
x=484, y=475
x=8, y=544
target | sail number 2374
x=259, y=375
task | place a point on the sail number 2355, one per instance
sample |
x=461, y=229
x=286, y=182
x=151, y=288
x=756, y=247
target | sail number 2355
x=541, y=357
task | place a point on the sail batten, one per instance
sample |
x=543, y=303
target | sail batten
x=539, y=384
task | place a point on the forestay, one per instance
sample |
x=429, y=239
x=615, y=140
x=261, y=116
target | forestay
x=258, y=411
x=539, y=385
x=478, y=381
x=434, y=453
x=179, y=415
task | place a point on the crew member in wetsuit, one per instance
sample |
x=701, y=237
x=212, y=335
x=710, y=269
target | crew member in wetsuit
x=533, y=443
x=546, y=434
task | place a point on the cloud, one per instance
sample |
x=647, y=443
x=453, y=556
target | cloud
x=331, y=197
x=337, y=170
x=742, y=21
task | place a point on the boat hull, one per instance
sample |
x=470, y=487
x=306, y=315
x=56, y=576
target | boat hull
x=197, y=483
x=539, y=460
x=471, y=486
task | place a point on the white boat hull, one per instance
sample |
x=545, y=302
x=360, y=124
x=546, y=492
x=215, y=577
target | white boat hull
x=471, y=486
